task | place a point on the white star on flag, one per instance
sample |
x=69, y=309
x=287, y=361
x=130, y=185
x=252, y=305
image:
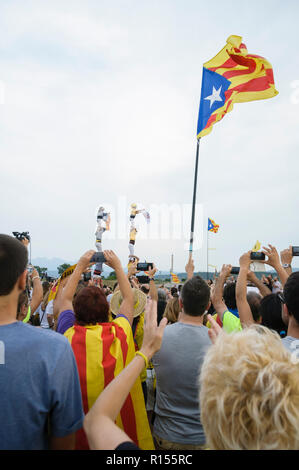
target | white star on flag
x=215, y=96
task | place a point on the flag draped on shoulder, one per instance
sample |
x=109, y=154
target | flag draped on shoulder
x=212, y=226
x=232, y=76
x=102, y=351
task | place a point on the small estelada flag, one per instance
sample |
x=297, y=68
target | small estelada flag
x=212, y=226
x=174, y=278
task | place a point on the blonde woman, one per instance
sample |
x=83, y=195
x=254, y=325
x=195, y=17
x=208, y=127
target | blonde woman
x=249, y=391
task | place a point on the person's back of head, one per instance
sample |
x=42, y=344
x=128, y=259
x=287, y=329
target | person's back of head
x=46, y=287
x=271, y=313
x=145, y=289
x=254, y=300
x=229, y=295
x=172, y=310
x=291, y=295
x=161, y=304
x=258, y=384
x=195, y=296
x=13, y=262
x=173, y=291
x=91, y=306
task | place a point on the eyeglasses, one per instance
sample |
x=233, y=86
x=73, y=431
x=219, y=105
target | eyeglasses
x=281, y=298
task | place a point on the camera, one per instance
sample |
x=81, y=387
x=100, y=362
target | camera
x=21, y=235
x=235, y=270
x=144, y=266
x=143, y=279
x=295, y=250
x=257, y=256
x=98, y=258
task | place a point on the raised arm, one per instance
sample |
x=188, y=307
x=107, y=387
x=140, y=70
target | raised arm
x=274, y=261
x=244, y=310
x=190, y=267
x=153, y=292
x=127, y=305
x=99, y=424
x=217, y=296
x=264, y=290
x=286, y=257
x=37, y=294
x=67, y=294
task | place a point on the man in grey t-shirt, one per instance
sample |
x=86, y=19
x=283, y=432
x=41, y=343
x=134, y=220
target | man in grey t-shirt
x=40, y=397
x=177, y=365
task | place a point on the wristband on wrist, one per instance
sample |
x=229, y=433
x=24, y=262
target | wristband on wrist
x=35, y=277
x=138, y=353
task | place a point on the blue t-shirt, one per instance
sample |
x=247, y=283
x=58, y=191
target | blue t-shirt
x=39, y=387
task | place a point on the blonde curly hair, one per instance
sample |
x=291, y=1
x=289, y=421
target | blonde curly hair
x=249, y=392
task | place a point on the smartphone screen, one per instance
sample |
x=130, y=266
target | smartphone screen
x=98, y=258
x=257, y=255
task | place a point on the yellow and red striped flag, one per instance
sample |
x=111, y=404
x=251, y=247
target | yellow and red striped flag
x=174, y=278
x=102, y=351
x=54, y=290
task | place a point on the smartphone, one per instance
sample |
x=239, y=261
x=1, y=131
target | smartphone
x=257, y=256
x=143, y=279
x=144, y=266
x=295, y=250
x=30, y=268
x=86, y=277
x=98, y=258
x=235, y=270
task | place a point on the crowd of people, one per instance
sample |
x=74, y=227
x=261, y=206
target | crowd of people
x=202, y=365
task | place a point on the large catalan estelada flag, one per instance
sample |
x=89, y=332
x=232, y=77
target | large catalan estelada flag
x=174, y=278
x=232, y=76
x=212, y=227
x=102, y=351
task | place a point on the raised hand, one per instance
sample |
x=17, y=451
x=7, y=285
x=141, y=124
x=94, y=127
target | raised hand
x=112, y=259
x=84, y=261
x=245, y=260
x=153, y=333
x=273, y=256
x=286, y=256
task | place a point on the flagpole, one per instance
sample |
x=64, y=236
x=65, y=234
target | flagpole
x=208, y=255
x=194, y=200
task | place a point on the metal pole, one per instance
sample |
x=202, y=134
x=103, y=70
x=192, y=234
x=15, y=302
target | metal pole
x=194, y=200
x=208, y=255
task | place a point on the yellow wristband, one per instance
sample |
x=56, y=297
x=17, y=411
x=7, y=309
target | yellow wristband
x=144, y=357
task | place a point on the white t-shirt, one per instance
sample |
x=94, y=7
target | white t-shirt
x=277, y=287
x=252, y=289
x=42, y=317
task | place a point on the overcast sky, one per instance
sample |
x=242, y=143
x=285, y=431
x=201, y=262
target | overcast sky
x=99, y=105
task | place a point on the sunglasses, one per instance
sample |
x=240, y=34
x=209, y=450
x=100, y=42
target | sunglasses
x=281, y=298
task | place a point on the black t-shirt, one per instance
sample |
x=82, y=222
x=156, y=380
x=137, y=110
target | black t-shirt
x=127, y=446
